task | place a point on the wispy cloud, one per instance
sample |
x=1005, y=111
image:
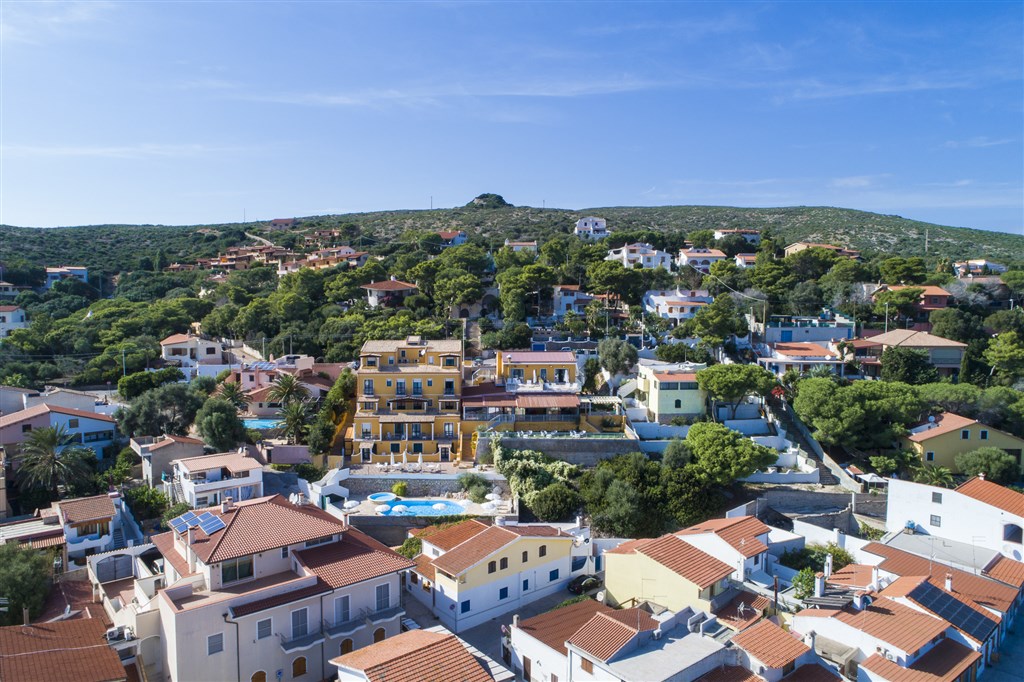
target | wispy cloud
x=820, y=89
x=857, y=181
x=729, y=23
x=978, y=142
x=138, y=151
x=36, y=22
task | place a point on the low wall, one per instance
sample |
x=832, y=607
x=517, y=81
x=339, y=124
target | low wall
x=419, y=485
x=580, y=451
x=391, y=530
x=749, y=427
x=656, y=431
x=788, y=501
x=784, y=477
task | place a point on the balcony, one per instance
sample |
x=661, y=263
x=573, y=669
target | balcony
x=521, y=386
x=290, y=644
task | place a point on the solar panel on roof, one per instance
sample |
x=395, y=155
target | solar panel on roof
x=178, y=525
x=954, y=611
x=181, y=524
x=209, y=523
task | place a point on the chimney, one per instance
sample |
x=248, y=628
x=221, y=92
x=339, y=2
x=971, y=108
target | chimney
x=515, y=620
x=191, y=536
x=875, y=580
x=982, y=475
x=828, y=565
x=860, y=600
x=811, y=636
x=393, y=278
x=949, y=582
x=24, y=615
x=819, y=584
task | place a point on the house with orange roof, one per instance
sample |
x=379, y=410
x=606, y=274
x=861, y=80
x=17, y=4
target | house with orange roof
x=208, y=480
x=745, y=260
x=944, y=354
x=670, y=390
x=676, y=305
x=529, y=246
x=262, y=586
x=11, y=317
x=800, y=356
x=158, y=452
x=771, y=651
x=797, y=247
x=93, y=524
x=932, y=297
x=471, y=572
x=699, y=259
x=51, y=651
x=452, y=237
x=415, y=656
x=752, y=236
x=389, y=292
x=640, y=254
x=90, y=429
x=939, y=439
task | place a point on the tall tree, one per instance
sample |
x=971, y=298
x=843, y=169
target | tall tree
x=723, y=456
x=49, y=460
x=218, y=423
x=714, y=323
x=232, y=392
x=1006, y=355
x=287, y=389
x=617, y=357
x=909, y=365
x=295, y=421
x=997, y=465
x=730, y=384
x=24, y=581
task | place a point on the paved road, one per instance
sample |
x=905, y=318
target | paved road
x=1011, y=662
x=266, y=242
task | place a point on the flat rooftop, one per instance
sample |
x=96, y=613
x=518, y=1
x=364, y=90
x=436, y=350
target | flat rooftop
x=961, y=555
x=664, y=658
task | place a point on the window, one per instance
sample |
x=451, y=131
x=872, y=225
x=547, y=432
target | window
x=526, y=556
x=937, y=498
x=215, y=644
x=503, y=564
x=72, y=423
x=234, y=570
x=319, y=541
x=367, y=386
x=25, y=428
x=449, y=429
x=263, y=628
x=396, y=447
x=935, y=521
x=346, y=646
x=503, y=593
x=258, y=676
x=543, y=551
x=449, y=387
x=929, y=456
x=553, y=575
x=492, y=566
x=587, y=665
x=417, y=386
x=413, y=578
x=300, y=623
x=983, y=435
x=449, y=362
x=464, y=607
x=383, y=596
x=965, y=435
x=417, y=448
x=342, y=614
x=299, y=666
x=679, y=403
x=379, y=634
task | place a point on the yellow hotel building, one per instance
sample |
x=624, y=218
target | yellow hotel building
x=408, y=401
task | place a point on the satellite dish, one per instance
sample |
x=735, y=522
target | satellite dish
x=600, y=596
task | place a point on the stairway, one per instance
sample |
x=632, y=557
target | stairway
x=118, y=539
x=177, y=494
x=793, y=433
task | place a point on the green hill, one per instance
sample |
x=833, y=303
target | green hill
x=117, y=247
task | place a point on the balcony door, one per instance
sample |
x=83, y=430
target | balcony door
x=300, y=623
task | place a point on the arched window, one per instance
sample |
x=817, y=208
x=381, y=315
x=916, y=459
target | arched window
x=258, y=676
x=346, y=646
x=679, y=403
x=299, y=667
x=379, y=635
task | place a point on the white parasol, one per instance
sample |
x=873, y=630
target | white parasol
x=383, y=508
x=440, y=506
x=351, y=504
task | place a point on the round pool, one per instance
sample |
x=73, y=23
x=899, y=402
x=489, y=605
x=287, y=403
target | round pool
x=381, y=498
x=426, y=508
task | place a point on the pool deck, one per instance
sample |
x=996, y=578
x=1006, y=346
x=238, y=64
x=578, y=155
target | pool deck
x=369, y=507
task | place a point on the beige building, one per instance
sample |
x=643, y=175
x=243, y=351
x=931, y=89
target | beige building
x=157, y=453
x=942, y=437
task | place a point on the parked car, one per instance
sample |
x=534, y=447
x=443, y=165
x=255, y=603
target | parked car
x=584, y=583
x=409, y=624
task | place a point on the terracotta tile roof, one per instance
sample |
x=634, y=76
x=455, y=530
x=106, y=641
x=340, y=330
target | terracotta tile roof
x=319, y=587
x=770, y=644
x=175, y=338
x=812, y=672
x=263, y=524
x=900, y=626
x=541, y=356
x=547, y=400
x=740, y=532
x=168, y=439
x=630, y=546
x=9, y=308
x=389, y=285
x=803, y=350
x=415, y=656
x=914, y=339
x=87, y=509
x=54, y=651
x=164, y=542
x=235, y=462
x=555, y=627
x=743, y=610
x=702, y=253
x=606, y=633
x=453, y=347
x=852, y=575
x=993, y=494
x=927, y=289
x=945, y=662
x=1006, y=570
x=486, y=543
x=688, y=562
x=425, y=567
x=355, y=558
x=51, y=541
x=969, y=618
x=448, y=538
x=729, y=673
x=43, y=408
x=682, y=376
x=990, y=593
x=943, y=424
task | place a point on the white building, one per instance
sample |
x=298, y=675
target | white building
x=11, y=317
x=779, y=358
x=210, y=479
x=746, y=260
x=699, y=259
x=985, y=514
x=789, y=328
x=569, y=297
x=54, y=275
x=676, y=305
x=977, y=266
x=93, y=524
x=752, y=236
x=644, y=255
x=528, y=246
x=591, y=228
x=271, y=590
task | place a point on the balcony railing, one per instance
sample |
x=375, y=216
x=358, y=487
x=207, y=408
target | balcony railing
x=292, y=643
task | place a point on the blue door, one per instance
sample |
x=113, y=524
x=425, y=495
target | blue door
x=787, y=336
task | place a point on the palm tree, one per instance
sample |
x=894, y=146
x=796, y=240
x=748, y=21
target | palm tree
x=48, y=460
x=295, y=417
x=933, y=475
x=287, y=389
x=233, y=393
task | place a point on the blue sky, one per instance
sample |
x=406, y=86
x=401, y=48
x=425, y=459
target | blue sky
x=193, y=112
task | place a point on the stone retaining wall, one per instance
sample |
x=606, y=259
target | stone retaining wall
x=580, y=451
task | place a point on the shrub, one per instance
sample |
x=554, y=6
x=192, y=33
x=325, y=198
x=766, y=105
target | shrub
x=870, y=532
x=281, y=467
x=401, y=488
x=813, y=557
x=803, y=582
x=174, y=511
x=411, y=547
x=146, y=502
x=556, y=502
x=310, y=472
x=476, y=486
x=996, y=464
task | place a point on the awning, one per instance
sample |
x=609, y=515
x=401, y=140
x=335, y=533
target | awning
x=493, y=400
x=421, y=418
x=550, y=400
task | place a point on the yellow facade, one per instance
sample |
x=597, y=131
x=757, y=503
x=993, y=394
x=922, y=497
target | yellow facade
x=408, y=401
x=633, y=578
x=556, y=367
x=670, y=394
x=941, y=450
x=479, y=575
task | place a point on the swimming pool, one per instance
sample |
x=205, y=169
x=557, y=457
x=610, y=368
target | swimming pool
x=262, y=424
x=381, y=498
x=425, y=508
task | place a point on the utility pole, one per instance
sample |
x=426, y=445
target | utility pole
x=124, y=365
x=264, y=348
x=887, y=317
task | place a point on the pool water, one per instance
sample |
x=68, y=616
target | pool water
x=425, y=508
x=381, y=497
x=262, y=424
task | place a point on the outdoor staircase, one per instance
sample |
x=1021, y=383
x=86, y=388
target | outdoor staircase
x=118, y=539
x=177, y=494
x=826, y=477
